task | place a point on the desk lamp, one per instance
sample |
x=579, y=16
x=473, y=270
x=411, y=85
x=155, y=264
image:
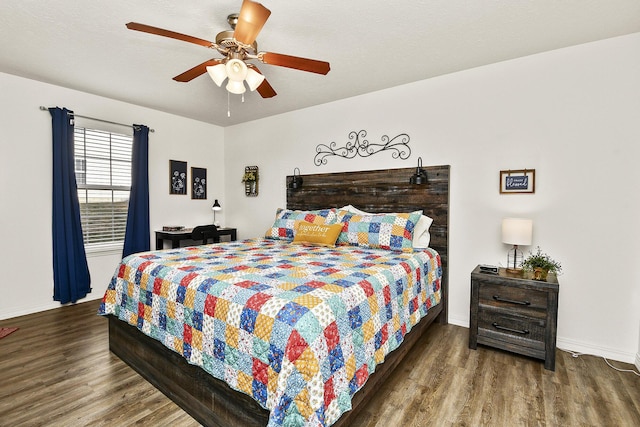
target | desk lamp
x=516, y=231
x=215, y=208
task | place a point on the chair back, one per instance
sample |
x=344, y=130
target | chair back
x=206, y=232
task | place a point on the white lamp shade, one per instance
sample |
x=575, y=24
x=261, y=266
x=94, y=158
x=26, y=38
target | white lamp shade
x=218, y=73
x=236, y=70
x=236, y=87
x=517, y=231
x=254, y=79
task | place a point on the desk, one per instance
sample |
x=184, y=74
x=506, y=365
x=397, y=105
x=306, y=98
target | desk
x=177, y=236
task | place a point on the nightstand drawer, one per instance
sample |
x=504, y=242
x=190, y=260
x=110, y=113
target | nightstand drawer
x=527, y=302
x=520, y=330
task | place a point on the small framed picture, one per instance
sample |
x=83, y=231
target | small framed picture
x=198, y=183
x=515, y=181
x=177, y=177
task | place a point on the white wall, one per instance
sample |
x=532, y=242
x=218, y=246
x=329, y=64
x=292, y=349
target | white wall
x=25, y=171
x=571, y=114
x=638, y=355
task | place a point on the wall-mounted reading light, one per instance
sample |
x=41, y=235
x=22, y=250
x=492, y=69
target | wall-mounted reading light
x=296, y=181
x=420, y=177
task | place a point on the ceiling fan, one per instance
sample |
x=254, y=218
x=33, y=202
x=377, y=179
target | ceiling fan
x=238, y=46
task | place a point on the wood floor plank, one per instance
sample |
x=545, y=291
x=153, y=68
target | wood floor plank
x=56, y=370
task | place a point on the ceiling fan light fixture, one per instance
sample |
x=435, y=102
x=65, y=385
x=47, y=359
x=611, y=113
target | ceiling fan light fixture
x=218, y=73
x=236, y=87
x=236, y=70
x=254, y=79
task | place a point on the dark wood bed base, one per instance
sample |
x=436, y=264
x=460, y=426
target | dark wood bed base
x=210, y=401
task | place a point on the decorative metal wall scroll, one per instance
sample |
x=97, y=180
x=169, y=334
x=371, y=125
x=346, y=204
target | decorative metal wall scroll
x=359, y=146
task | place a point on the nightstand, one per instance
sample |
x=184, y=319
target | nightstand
x=514, y=313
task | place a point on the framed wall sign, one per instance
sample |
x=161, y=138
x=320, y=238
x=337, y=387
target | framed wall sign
x=518, y=181
x=198, y=183
x=177, y=177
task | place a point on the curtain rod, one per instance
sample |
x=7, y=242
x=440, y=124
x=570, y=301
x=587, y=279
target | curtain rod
x=98, y=120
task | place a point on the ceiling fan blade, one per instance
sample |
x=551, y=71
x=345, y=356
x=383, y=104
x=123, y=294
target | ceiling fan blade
x=196, y=71
x=295, y=62
x=265, y=90
x=166, y=33
x=251, y=19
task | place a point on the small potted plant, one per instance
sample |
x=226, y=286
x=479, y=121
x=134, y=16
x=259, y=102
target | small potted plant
x=541, y=264
x=249, y=177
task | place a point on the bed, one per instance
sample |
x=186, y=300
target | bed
x=164, y=361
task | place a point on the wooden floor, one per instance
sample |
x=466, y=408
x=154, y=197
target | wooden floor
x=57, y=371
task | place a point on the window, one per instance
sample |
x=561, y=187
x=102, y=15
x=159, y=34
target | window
x=103, y=175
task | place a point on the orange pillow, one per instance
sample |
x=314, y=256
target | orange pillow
x=316, y=234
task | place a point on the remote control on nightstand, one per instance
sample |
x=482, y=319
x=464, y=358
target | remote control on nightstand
x=491, y=269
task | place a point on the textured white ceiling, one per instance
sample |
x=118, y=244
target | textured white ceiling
x=371, y=46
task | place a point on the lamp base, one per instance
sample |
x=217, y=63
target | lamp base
x=514, y=259
x=515, y=272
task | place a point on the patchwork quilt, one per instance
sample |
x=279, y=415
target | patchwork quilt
x=298, y=328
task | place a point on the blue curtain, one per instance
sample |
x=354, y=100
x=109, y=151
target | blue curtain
x=136, y=238
x=71, y=280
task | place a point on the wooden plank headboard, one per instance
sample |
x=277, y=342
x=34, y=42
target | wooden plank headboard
x=386, y=190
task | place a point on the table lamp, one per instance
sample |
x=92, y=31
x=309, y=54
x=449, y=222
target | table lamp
x=516, y=231
x=215, y=208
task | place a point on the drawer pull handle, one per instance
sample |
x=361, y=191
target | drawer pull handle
x=517, y=331
x=498, y=298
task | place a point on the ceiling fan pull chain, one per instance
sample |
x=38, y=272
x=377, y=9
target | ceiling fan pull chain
x=228, y=107
x=243, y=98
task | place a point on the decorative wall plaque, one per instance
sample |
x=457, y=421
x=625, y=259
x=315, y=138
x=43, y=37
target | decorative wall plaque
x=177, y=177
x=250, y=180
x=199, y=183
x=518, y=181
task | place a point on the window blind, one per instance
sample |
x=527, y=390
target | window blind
x=103, y=175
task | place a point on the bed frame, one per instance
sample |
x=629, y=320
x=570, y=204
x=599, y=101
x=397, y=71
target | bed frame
x=210, y=401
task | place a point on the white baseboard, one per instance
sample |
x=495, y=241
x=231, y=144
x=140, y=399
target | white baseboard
x=31, y=309
x=595, y=350
x=458, y=322
x=638, y=362
x=24, y=310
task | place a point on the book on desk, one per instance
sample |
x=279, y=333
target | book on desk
x=173, y=227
